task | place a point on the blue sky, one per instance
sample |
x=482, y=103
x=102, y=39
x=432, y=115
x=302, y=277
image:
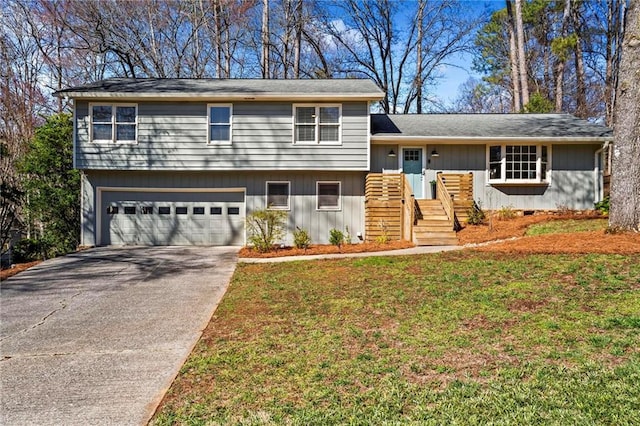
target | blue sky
x=454, y=76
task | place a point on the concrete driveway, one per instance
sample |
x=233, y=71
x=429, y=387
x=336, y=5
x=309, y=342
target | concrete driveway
x=98, y=336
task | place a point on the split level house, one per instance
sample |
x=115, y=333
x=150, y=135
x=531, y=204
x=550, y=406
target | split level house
x=184, y=161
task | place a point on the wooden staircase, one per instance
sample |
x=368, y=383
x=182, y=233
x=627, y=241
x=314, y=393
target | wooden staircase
x=433, y=227
x=392, y=212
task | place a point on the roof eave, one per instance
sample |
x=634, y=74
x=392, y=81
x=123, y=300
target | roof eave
x=220, y=96
x=378, y=139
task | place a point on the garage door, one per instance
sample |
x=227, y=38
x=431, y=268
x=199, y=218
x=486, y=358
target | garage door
x=172, y=218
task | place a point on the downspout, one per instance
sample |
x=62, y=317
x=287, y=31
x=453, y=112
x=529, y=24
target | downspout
x=597, y=179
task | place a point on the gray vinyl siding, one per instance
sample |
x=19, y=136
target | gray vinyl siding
x=572, y=184
x=302, y=214
x=173, y=136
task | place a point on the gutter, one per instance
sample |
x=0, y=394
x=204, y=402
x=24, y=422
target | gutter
x=454, y=140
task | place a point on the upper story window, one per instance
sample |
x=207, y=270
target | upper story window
x=278, y=195
x=317, y=124
x=116, y=123
x=220, y=117
x=519, y=163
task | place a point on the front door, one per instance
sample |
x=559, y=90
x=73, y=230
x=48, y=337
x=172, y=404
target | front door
x=412, y=168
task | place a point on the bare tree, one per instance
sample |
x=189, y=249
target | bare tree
x=266, y=63
x=614, y=30
x=625, y=178
x=522, y=60
x=561, y=53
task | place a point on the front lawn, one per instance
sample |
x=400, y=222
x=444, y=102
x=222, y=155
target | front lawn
x=450, y=338
x=567, y=226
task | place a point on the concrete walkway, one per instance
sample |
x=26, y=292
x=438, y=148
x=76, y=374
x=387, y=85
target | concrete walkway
x=97, y=337
x=401, y=252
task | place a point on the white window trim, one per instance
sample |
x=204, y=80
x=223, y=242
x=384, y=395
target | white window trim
x=209, y=123
x=266, y=195
x=329, y=209
x=113, y=123
x=317, y=124
x=503, y=164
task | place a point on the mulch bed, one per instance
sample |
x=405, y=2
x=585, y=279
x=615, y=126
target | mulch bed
x=327, y=249
x=9, y=272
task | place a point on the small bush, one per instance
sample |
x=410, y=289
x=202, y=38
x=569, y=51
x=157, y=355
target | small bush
x=347, y=236
x=506, y=213
x=383, y=238
x=603, y=206
x=266, y=227
x=301, y=238
x=476, y=214
x=336, y=237
x=28, y=250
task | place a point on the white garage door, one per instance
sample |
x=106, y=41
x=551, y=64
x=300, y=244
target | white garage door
x=172, y=218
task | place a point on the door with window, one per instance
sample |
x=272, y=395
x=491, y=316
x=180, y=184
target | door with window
x=412, y=168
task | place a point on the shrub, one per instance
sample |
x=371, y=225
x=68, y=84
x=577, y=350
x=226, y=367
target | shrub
x=336, y=237
x=476, y=214
x=347, y=236
x=301, y=238
x=603, y=206
x=28, y=250
x=506, y=213
x=383, y=238
x=265, y=228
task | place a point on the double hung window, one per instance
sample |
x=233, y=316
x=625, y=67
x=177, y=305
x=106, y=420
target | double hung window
x=220, y=117
x=114, y=123
x=317, y=124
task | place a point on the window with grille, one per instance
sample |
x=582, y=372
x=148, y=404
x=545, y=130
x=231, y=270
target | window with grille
x=518, y=163
x=317, y=124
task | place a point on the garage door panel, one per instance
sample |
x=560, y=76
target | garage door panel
x=172, y=218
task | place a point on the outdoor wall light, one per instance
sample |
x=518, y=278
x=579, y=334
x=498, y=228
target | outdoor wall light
x=391, y=153
x=434, y=153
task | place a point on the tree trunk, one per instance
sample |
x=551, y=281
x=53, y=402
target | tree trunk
x=513, y=60
x=625, y=178
x=298, y=40
x=522, y=60
x=562, y=57
x=615, y=28
x=419, y=58
x=582, y=109
x=265, y=39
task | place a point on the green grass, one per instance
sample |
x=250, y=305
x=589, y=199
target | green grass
x=567, y=226
x=452, y=338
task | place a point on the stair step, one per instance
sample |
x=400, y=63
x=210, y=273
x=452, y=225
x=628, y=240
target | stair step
x=433, y=228
x=435, y=241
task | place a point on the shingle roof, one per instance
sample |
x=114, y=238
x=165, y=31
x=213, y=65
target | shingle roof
x=226, y=88
x=485, y=126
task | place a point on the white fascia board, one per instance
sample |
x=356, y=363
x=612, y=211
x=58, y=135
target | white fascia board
x=482, y=140
x=221, y=96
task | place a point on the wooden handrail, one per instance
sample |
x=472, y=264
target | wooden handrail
x=445, y=198
x=408, y=209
